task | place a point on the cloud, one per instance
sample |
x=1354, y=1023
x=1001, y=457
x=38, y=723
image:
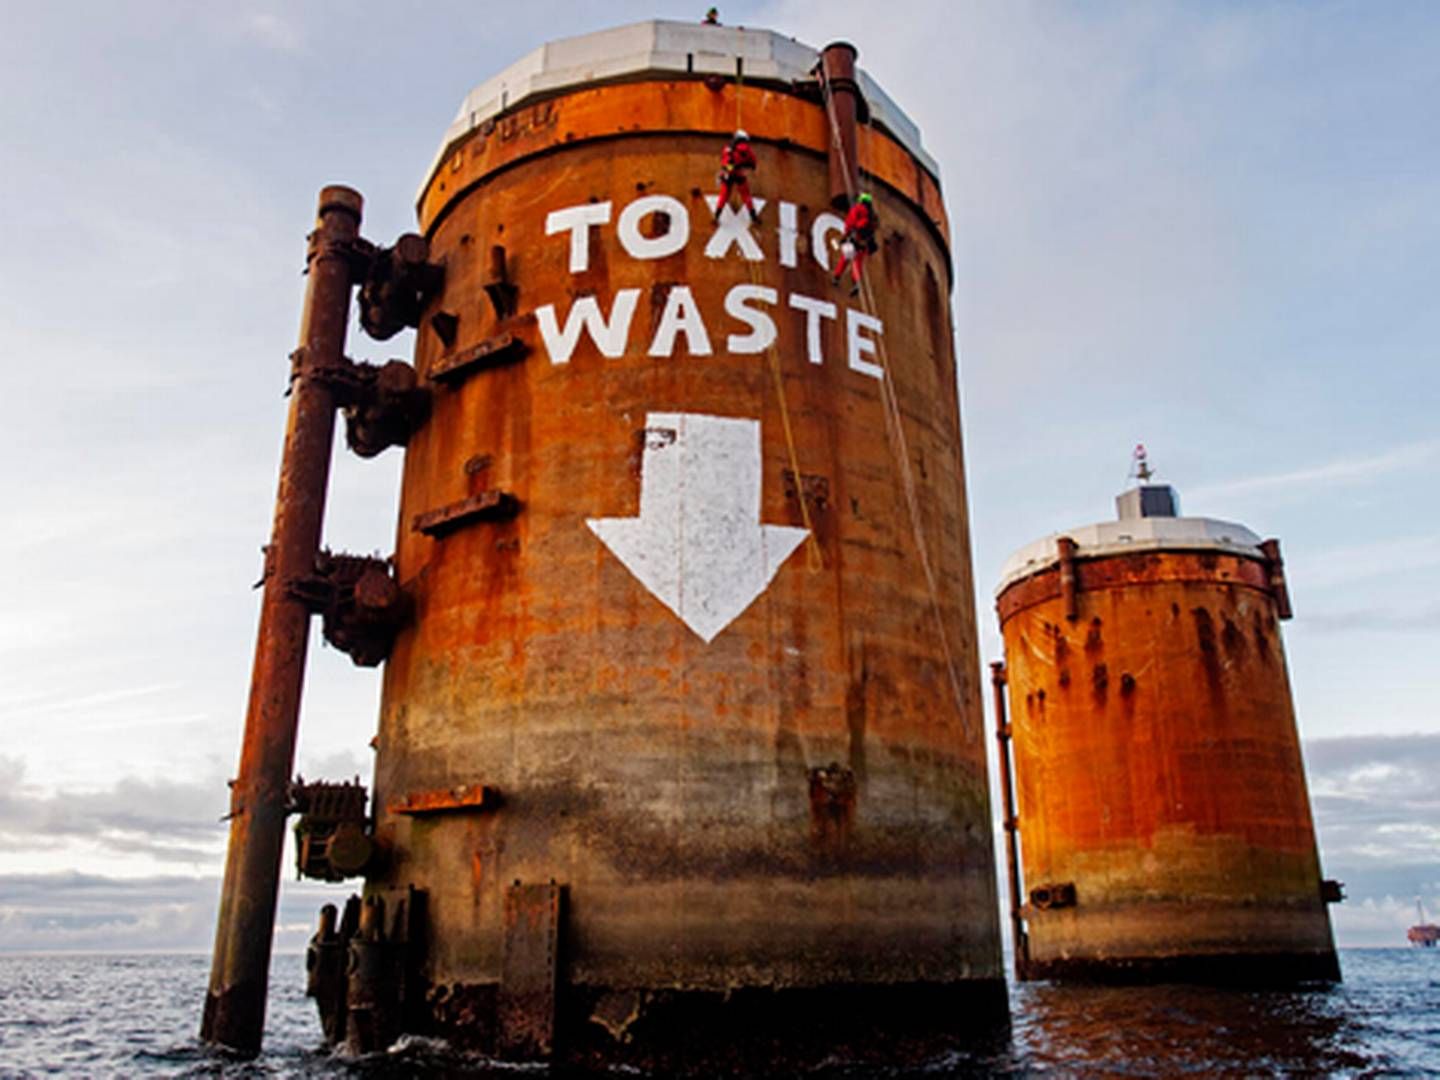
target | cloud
x=131, y=824
x=80, y=912
x=1377, y=814
x=164, y=819
x=275, y=32
x=142, y=820
x=1391, y=774
x=64, y=704
x=1357, y=562
x=1424, y=619
x=1352, y=470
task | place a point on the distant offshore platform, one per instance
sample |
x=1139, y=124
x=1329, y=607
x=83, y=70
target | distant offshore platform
x=1425, y=935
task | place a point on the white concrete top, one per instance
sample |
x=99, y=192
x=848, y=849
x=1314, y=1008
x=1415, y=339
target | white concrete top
x=662, y=47
x=1129, y=536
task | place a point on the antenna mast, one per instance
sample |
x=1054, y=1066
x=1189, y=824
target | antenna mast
x=1140, y=465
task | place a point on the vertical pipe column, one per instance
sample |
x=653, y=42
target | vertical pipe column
x=1069, y=586
x=842, y=95
x=1011, y=822
x=1275, y=572
x=239, y=974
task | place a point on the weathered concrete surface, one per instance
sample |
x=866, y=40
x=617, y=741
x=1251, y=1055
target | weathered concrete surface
x=671, y=784
x=1159, y=771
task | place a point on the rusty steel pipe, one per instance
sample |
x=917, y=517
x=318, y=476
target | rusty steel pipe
x=239, y=974
x=1069, y=584
x=842, y=96
x=1275, y=575
x=1011, y=822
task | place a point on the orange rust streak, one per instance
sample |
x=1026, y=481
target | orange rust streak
x=1163, y=706
x=668, y=109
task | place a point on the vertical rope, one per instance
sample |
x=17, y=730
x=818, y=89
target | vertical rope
x=814, y=557
x=895, y=432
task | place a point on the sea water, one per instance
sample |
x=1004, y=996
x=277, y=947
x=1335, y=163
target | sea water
x=108, y=1015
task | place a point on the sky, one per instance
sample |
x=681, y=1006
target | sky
x=1209, y=227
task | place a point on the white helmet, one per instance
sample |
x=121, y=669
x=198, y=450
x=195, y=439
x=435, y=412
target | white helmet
x=741, y=133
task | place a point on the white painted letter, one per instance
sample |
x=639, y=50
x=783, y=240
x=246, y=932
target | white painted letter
x=610, y=338
x=820, y=230
x=762, y=327
x=680, y=316
x=815, y=310
x=640, y=246
x=857, y=346
x=788, y=233
x=733, y=229
x=576, y=220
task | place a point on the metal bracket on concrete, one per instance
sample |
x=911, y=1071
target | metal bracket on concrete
x=382, y=403
x=396, y=284
x=447, y=800
x=504, y=294
x=529, y=972
x=815, y=489
x=493, y=505
x=332, y=837
x=495, y=351
x=361, y=605
x=1057, y=895
x=446, y=325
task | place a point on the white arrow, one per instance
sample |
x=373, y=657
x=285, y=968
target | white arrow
x=698, y=544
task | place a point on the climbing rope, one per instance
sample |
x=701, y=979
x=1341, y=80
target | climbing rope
x=814, y=557
x=895, y=432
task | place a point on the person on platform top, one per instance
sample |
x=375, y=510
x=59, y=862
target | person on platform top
x=858, y=240
x=712, y=17
x=737, y=160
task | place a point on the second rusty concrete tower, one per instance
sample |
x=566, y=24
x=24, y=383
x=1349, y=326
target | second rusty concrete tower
x=1162, y=809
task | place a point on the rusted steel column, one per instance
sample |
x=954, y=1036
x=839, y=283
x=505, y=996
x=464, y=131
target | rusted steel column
x=842, y=95
x=1069, y=586
x=235, y=1006
x=1011, y=822
x=1275, y=573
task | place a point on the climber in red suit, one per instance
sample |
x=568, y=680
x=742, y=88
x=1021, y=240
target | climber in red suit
x=736, y=162
x=858, y=240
